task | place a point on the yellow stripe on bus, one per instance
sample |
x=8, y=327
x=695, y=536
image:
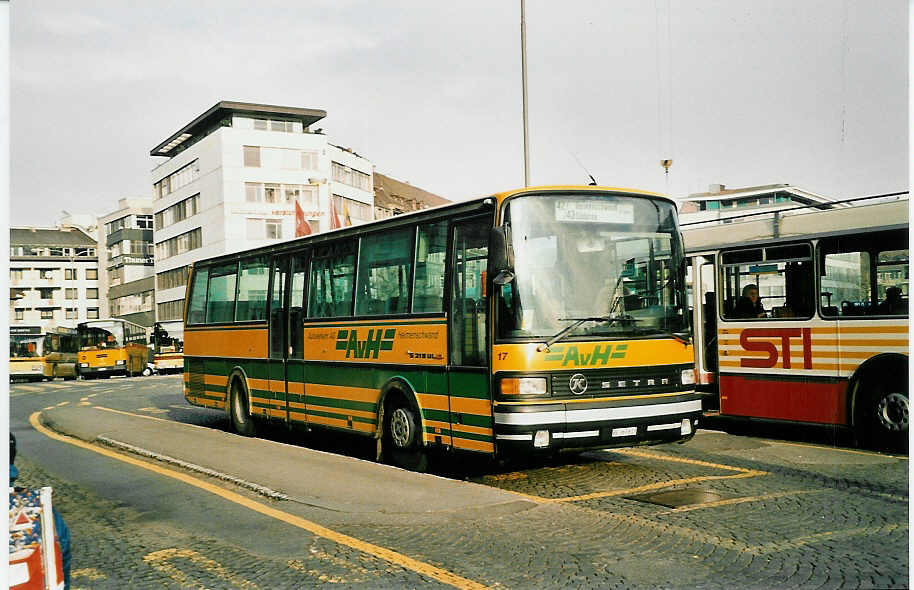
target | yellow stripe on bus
x=467, y=405
x=473, y=445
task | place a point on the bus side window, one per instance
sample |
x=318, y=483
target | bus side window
x=220, y=296
x=252, y=290
x=385, y=266
x=197, y=312
x=431, y=248
x=332, y=279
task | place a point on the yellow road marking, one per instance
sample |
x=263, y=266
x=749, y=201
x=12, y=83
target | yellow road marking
x=92, y=395
x=63, y=404
x=85, y=403
x=742, y=500
x=422, y=568
x=656, y=486
x=664, y=457
x=778, y=546
x=153, y=410
x=299, y=565
x=852, y=451
x=161, y=561
x=90, y=573
x=84, y=399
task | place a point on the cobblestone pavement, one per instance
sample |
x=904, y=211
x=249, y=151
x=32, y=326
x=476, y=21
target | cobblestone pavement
x=746, y=513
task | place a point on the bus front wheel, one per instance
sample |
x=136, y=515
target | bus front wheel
x=241, y=421
x=402, y=437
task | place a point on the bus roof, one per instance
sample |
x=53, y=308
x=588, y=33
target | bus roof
x=475, y=205
x=765, y=227
x=107, y=321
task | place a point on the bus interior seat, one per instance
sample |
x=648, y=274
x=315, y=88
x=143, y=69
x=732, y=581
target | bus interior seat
x=830, y=310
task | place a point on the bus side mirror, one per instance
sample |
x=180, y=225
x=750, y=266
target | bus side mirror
x=501, y=255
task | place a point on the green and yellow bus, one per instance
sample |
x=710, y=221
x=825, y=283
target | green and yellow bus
x=36, y=355
x=111, y=347
x=540, y=319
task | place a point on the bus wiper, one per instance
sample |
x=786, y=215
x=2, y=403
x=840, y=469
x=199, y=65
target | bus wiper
x=577, y=322
x=677, y=336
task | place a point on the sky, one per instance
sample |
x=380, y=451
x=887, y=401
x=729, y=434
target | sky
x=737, y=92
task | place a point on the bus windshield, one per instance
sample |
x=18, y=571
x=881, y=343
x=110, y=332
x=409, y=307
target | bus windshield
x=601, y=257
x=101, y=335
x=30, y=346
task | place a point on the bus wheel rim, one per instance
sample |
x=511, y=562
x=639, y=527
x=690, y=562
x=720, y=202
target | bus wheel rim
x=236, y=404
x=892, y=412
x=399, y=428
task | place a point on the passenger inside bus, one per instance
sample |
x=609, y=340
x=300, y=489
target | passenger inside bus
x=749, y=305
x=893, y=304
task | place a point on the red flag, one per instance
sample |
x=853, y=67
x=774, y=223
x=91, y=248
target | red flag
x=335, y=222
x=302, y=228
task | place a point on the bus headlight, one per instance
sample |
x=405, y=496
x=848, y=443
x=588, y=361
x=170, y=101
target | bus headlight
x=120, y=362
x=523, y=386
x=84, y=365
x=687, y=377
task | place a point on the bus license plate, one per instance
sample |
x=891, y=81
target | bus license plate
x=629, y=431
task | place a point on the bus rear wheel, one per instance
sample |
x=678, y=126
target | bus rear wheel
x=242, y=422
x=402, y=437
x=886, y=416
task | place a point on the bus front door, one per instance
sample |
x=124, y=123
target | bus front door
x=286, y=364
x=468, y=364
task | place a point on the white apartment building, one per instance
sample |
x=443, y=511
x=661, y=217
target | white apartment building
x=232, y=180
x=125, y=259
x=53, y=277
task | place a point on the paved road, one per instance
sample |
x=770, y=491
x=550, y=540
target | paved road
x=722, y=511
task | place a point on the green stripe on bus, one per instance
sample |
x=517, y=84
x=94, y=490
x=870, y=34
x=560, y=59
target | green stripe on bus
x=340, y=403
x=439, y=415
x=344, y=417
x=458, y=434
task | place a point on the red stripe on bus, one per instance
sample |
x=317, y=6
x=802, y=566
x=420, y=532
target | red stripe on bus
x=800, y=401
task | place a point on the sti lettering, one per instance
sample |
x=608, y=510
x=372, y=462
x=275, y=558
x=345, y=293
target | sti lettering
x=785, y=334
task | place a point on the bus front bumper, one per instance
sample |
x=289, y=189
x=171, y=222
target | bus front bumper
x=539, y=427
x=99, y=371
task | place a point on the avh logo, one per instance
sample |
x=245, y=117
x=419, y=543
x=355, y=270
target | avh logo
x=600, y=355
x=370, y=347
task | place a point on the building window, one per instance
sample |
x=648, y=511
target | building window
x=179, y=244
x=46, y=273
x=18, y=314
x=144, y=221
x=267, y=125
x=17, y=274
x=47, y=314
x=170, y=310
x=176, y=180
x=116, y=225
x=71, y=314
x=251, y=156
x=91, y=274
x=309, y=160
x=177, y=212
x=258, y=192
x=46, y=293
x=92, y=313
x=92, y=293
x=351, y=212
x=70, y=294
x=115, y=276
x=139, y=247
x=264, y=229
x=350, y=176
x=69, y=274
x=170, y=279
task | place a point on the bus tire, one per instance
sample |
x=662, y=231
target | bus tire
x=885, y=418
x=402, y=436
x=242, y=422
x=147, y=372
